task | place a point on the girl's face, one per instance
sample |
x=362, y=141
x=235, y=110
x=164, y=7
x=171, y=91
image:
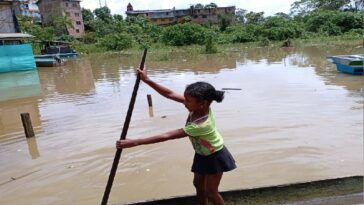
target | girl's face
x=193, y=104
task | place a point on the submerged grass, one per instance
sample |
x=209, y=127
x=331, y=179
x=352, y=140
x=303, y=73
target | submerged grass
x=162, y=52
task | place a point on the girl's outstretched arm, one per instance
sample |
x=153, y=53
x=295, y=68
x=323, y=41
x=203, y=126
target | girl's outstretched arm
x=159, y=88
x=127, y=143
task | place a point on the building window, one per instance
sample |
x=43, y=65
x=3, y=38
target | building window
x=195, y=16
x=77, y=30
x=204, y=16
x=77, y=14
x=66, y=4
x=78, y=22
x=167, y=13
x=68, y=14
x=74, y=5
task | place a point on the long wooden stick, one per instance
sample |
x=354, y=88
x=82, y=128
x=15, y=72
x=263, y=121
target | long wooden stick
x=123, y=134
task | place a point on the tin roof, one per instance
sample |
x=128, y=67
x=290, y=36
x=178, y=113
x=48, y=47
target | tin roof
x=15, y=35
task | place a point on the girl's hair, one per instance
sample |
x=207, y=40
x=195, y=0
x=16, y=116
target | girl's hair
x=204, y=91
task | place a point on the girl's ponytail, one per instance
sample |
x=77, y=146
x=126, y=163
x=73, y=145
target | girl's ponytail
x=219, y=96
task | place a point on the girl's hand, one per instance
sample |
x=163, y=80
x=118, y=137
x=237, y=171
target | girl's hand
x=143, y=74
x=127, y=143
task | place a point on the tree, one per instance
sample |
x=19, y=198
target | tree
x=87, y=15
x=254, y=18
x=118, y=17
x=40, y=33
x=103, y=14
x=225, y=20
x=88, y=18
x=240, y=15
x=332, y=4
x=210, y=5
x=283, y=15
x=60, y=24
x=303, y=7
x=198, y=6
x=358, y=5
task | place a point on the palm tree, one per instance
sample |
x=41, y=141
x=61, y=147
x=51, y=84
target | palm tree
x=211, y=5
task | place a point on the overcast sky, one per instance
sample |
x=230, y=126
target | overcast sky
x=270, y=7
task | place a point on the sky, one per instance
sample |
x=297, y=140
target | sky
x=270, y=7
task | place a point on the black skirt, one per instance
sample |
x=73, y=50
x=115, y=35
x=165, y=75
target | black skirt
x=218, y=162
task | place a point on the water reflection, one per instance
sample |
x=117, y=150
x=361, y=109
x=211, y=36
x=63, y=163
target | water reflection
x=151, y=112
x=33, y=147
x=19, y=92
x=15, y=85
x=76, y=78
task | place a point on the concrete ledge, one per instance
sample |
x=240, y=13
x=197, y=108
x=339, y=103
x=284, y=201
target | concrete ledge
x=351, y=199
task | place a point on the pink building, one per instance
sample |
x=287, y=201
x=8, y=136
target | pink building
x=70, y=8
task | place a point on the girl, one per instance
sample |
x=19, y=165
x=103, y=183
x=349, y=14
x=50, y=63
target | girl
x=211, y=156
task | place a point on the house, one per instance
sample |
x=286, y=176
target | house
x=211, y=15
x=164, y=17
x=8, y=21
x=50, y=9
x=29, y=8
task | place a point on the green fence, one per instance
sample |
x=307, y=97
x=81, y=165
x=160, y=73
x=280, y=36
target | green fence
x=16, y=58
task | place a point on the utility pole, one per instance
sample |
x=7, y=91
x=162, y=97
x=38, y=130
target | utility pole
x=105, y=3
x=100, y=3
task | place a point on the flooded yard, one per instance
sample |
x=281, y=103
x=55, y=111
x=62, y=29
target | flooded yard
x=295, y=119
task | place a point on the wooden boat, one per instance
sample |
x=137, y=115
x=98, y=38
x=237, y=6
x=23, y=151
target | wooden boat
x=48, y=61
x=15, y=53
x=352, y=64
x=59, y=49
x=346, y=190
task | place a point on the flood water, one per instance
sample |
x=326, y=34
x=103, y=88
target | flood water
x=295, y=119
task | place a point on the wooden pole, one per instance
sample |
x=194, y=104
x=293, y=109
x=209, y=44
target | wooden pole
x=27, y=124
x=150, y=103
x=114, y=167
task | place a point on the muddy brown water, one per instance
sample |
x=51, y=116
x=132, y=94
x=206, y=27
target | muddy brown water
x=295, y=119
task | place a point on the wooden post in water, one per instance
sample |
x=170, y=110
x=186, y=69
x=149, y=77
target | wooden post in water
x=150, y=103
x=27, y=124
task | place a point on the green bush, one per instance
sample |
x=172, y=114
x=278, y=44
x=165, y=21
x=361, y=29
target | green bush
x=184, y=34
x=278, y=28
x=117, y=42
x=210, y=45
x=333, y=22
x=241, y=34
